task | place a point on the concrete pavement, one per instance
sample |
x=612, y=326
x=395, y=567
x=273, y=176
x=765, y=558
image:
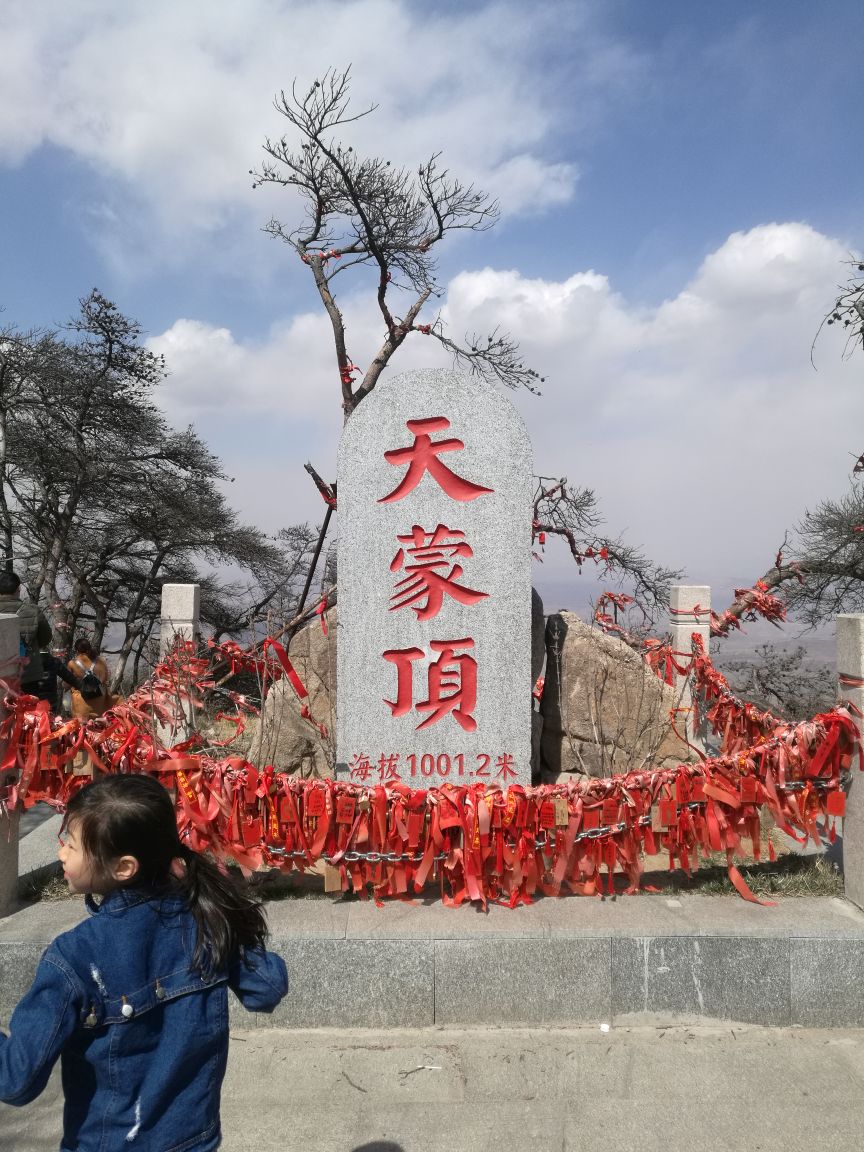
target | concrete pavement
x=669, y=1089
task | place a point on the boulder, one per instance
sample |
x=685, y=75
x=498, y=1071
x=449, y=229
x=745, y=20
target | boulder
x=604, y=710
x=281, y=736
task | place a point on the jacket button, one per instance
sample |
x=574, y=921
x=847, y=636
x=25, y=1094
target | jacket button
x=160, y=991
x=127, y=1010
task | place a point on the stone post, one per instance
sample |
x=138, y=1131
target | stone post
x=850, y=689
x=689, y=612
x=181, y=606
x=180, y=617
x=10, y=672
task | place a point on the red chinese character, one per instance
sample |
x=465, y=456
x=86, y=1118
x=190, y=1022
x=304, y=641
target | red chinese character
x=360, y=767
x=504, y=764
x=422, y=457
x=452, y=670
x=387, y=767
x=431, y=550
x=402, y=658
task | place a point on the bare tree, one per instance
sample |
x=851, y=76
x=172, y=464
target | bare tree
x=830, y=559
x=782, y=681
x=848, y=308
x=817, y=572
x=572, y=513
x=101, y=501
x=363, y=211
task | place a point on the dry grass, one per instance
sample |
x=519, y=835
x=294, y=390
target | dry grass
x=47, y=886
x=789, y=875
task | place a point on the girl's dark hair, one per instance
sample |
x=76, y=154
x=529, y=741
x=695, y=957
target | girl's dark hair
x=133, y=815
x=83, y=647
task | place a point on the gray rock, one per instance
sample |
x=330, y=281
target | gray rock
x=604, y=711
x=282, y=736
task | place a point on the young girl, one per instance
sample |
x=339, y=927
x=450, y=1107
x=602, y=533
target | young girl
x=134, y=1000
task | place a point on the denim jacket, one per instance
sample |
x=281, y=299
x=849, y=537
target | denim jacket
x=142, y=1040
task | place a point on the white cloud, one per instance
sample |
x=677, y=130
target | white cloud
x=170, y=102
x=701, y=423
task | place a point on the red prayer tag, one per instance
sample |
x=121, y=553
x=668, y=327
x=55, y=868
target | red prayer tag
x=749, y=790
x=251, y=832
x=668, y=813
x=547, y=814
x=345, y=807
x=835, y=804
x=521, y=811
x=315, y=803
x=590, y=819
x=287, y=811
x=416, y=821
x=449, y=814
x=697, y=791
x=251, y=785
x=682, y=790
x=610, y=811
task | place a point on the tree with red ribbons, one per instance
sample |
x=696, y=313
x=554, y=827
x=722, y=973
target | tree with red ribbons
x=572, y=514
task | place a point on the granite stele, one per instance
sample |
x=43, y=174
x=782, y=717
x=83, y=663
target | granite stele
x=434, y=644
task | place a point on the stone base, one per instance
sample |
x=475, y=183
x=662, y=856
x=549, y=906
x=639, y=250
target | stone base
x=557, y=962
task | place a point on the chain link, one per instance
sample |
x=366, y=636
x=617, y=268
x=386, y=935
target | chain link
x=542, y=841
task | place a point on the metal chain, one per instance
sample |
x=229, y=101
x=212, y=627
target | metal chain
x=543, y=841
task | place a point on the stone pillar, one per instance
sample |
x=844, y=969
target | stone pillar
x=850, y=669
x=10, y=670
x=181, y=606
x=434, y=650
x=689, y=612
x=180, y=618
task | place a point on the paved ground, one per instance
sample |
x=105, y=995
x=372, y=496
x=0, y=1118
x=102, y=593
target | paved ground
x=31, y=818
x=675, y=1089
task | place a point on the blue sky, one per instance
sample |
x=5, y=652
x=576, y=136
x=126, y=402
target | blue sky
x=679, y=184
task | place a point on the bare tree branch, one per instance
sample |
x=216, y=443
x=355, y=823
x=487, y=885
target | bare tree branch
x=364, y=211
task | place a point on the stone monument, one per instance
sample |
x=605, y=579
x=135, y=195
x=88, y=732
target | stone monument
x=434, y=554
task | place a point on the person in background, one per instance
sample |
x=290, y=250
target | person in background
x=87, y=659
x=35, y=631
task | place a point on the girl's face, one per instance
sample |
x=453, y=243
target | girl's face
x=77, y=868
